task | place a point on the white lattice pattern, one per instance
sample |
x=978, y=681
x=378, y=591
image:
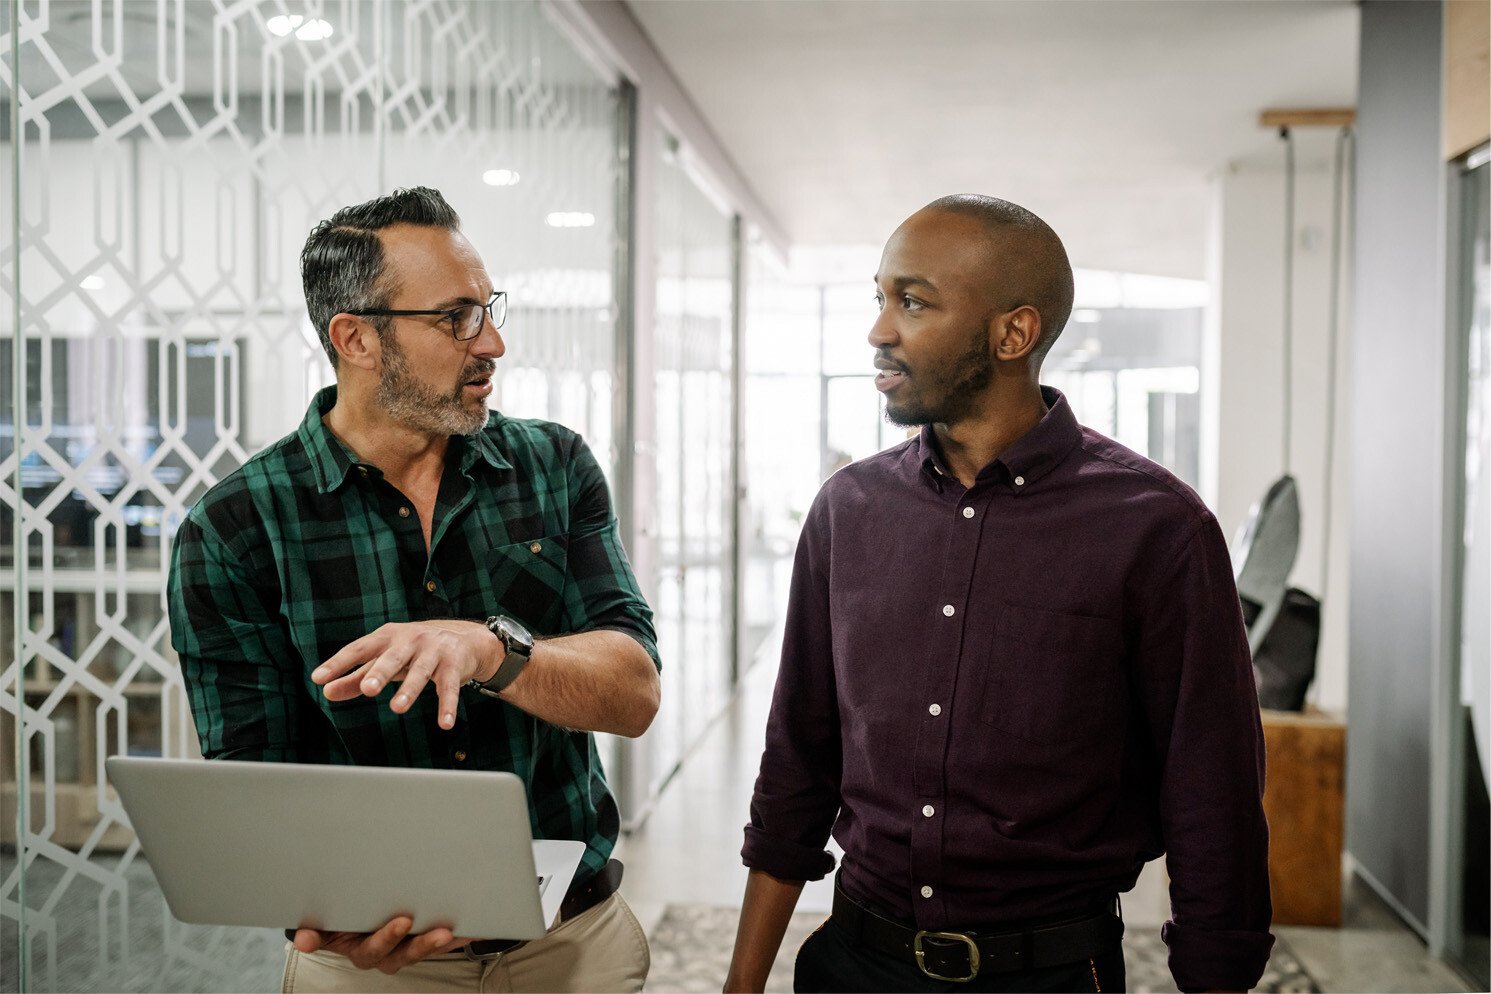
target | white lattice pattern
x=173, y=156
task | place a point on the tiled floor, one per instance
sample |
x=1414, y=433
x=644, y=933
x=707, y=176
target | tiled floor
x=688, y=852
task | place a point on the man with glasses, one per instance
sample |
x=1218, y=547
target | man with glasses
x=412, y=580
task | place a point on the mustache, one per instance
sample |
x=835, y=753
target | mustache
x=883, y=357
x=478, y=370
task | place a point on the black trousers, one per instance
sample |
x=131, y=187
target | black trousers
x=830, y=962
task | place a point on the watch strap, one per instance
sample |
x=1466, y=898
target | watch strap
x=515, y=657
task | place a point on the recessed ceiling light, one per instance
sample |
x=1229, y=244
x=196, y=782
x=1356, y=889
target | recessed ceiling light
x=92, y=283
x=500, y=177
x=1087, y=315
x=571, y=219
x=314, y=29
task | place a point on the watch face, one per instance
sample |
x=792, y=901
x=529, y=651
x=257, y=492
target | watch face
x=516, y=631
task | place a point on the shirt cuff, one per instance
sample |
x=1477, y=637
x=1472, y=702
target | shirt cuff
x=783, y=859
x=1204, y=959
x=648, y=646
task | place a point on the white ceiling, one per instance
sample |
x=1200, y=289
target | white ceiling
x=1105, y=117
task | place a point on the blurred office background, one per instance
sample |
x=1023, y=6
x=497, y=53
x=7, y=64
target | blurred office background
x=686, y=203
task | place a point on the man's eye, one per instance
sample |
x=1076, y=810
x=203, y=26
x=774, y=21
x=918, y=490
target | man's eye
x=879, y=302
x=911, y=303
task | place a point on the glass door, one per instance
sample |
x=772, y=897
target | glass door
x=1468, y=946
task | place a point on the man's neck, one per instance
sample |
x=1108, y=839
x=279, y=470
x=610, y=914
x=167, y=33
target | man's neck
x=973, y=442
x=405, y=455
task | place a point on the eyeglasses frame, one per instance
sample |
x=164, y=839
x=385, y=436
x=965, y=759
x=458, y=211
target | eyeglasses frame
x=449, y=314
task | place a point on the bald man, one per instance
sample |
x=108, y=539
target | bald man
x=1014, y=670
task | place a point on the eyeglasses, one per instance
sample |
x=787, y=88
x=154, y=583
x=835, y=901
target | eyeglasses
x=465, y=320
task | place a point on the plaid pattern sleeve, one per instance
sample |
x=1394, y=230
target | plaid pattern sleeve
x=245, y=703
x=306, y=548
x=604, y=593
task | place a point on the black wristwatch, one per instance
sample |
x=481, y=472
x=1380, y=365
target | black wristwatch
x=518, y=642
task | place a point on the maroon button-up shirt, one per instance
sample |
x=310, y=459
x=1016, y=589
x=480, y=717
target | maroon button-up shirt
x=1004, y=700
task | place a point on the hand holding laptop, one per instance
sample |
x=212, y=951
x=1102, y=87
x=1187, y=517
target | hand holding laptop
x=388, y=950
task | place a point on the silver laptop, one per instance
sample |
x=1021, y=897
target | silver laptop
x=279, y=845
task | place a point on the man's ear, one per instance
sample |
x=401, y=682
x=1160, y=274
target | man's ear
x=355, y=340
x=1016, y=333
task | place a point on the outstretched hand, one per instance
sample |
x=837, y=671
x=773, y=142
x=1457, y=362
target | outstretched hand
x=445, y=653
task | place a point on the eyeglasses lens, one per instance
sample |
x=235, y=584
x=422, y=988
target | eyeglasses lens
x=468, y=320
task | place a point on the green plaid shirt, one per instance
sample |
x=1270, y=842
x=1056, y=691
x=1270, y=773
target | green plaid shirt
x=304, y=549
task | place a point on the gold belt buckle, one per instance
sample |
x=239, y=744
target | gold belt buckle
x=921, y=961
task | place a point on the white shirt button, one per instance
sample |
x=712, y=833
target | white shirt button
x=1019, y=481
x=935, y=710
x=929, y=811
x=926, y=892
x=967, y=512
x=949, y=610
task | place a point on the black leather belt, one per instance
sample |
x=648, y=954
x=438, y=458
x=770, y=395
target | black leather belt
x=581, y=897
x=961, y=956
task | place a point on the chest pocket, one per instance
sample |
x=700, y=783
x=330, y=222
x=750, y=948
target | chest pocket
x=1053, y=677
x=528, y=580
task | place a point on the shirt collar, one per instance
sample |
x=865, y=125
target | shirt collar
x=1029, y=459
x=332, y=460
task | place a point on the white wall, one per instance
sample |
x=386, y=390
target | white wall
x=1247, y=372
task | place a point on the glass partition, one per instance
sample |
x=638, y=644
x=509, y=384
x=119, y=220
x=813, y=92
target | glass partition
x=694, y=338
x=172, y=158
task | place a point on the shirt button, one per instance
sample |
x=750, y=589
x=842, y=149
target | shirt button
x=363, y=470
x=926, y=892
x=536, y=548
x=430, y=586
x=949, y=610
x=1019, y=481
x=929, y=811
x=403, y=512
x=967, y=512
x=935, y=710
x=460, y=755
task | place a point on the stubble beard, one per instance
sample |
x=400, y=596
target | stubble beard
x=954, y=388
x=417, y=406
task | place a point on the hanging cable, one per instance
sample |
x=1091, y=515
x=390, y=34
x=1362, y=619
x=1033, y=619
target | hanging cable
x=1288, y=139
x=1343, y=139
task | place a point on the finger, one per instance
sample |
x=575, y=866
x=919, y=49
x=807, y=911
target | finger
x=308, y=940
x=373, y=949
x=386, y=668
x=344, y=688
x=415, y=948
x=448, y=687
x=416, y=676
x=353, y=654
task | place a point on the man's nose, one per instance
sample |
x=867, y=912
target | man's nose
x=488, y=343
x=883, y=331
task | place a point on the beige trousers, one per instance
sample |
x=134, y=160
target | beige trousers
x=602, y=950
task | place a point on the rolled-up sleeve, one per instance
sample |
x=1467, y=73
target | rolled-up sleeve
x=797, y=792
x=601, y=591
x=1202, y=709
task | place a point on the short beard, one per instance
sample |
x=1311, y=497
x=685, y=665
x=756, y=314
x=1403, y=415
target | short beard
x=954, y=388
x=416, y=406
